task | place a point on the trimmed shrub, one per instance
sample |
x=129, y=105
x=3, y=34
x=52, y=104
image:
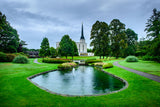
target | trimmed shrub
x=20, y=59
x=55, y=60
x=131, y=59
x=107, y=65
x=3, y=57
x=89, y=61
x=67, y=65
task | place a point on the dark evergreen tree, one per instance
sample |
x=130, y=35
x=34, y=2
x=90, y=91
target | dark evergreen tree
x=118, y=38
x=45, y=49
x=75, y=49
x=21, y=47
x=9, y=38
x=131, y=41
x=153, y=32
x=66, y=46
x=100, y=38
x=53, y=52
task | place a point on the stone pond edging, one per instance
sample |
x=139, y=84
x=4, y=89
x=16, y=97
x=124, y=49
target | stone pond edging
x=66, y=95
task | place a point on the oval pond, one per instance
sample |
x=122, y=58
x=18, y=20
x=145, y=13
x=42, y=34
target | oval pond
x=83, y=80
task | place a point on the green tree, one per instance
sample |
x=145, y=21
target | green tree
x=21, y=47
x=100, y=38
x=118, y=38
x=131, y=41
x=75, y=49
x=89, y=50
x=142, y=47
x=66, y=46
x=153, y=32
x=9, y=38
x=53, y=52
x=45, y=50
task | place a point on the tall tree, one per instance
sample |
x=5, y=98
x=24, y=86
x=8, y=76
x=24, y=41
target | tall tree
x=53, y=52
x=118, y=38
x=75, y=48
x=45, y=49
x=153, y=31
x=131, y=41
x=21, y=47
x=100, y=38
x=66, y=46
x=9, y=38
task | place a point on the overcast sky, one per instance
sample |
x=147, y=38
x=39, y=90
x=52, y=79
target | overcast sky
x=36, y=19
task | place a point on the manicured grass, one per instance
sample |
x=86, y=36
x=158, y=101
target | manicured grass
x=144, y=66
x=16, y=90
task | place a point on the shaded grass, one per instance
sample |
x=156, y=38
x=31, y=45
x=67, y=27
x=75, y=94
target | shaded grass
x=144, y=66
x=16, y=90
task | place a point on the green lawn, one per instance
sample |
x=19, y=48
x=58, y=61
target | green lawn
x=144, y=66
x=16, y=90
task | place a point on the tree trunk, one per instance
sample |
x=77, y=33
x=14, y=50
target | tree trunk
x=72, y=58
x=100, y=57
x=103, y=57
x=66, y=57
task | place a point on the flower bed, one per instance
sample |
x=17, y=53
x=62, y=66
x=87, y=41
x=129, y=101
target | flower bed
x=55, y=60
x=67, y=65
x=90, y=61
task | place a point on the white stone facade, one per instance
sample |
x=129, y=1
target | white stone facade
x=81, y=46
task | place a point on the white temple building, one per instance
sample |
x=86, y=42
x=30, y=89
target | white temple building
x=82, y=45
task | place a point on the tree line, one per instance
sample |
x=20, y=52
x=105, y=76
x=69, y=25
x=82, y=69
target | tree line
x=67, y=47
x=9, y=38
x=113, y=39
x=107, y=40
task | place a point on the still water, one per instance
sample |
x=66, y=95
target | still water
x=83, y=80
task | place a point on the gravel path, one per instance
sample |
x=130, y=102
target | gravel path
x=36, y=61
x=150, y=76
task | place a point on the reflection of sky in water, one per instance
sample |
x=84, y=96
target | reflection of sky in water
x=84, y=80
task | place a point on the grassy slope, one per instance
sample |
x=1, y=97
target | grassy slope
x=16, y=90
x=144, y=66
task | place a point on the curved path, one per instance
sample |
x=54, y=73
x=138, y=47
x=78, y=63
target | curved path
x=150, y=76
x=36, y=61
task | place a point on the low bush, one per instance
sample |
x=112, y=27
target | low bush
x=131, y=59
x=20, y=59
x=10, y=57
x=55, y=60
x=89, y=61
x=3, y=57
x=67, y=65
x=107, y=65
x=151, y=58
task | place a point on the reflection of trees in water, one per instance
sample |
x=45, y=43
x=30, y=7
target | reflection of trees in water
x=45, y=75
x=65, y=71
x=104, y=82
x=82, y=68
x=45, y=78
x=100, y=80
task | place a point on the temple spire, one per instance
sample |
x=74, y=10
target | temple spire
x=82, y=36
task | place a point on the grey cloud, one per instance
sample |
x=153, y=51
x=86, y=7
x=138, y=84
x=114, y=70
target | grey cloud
x=35, y=19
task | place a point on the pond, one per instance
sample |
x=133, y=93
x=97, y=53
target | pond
x=83, y=80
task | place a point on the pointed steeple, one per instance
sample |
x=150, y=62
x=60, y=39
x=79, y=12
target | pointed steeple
x=82, y=36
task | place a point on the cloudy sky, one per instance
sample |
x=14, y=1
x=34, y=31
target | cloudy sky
x=36, y=19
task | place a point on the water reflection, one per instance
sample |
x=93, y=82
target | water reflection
x=83, y=80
